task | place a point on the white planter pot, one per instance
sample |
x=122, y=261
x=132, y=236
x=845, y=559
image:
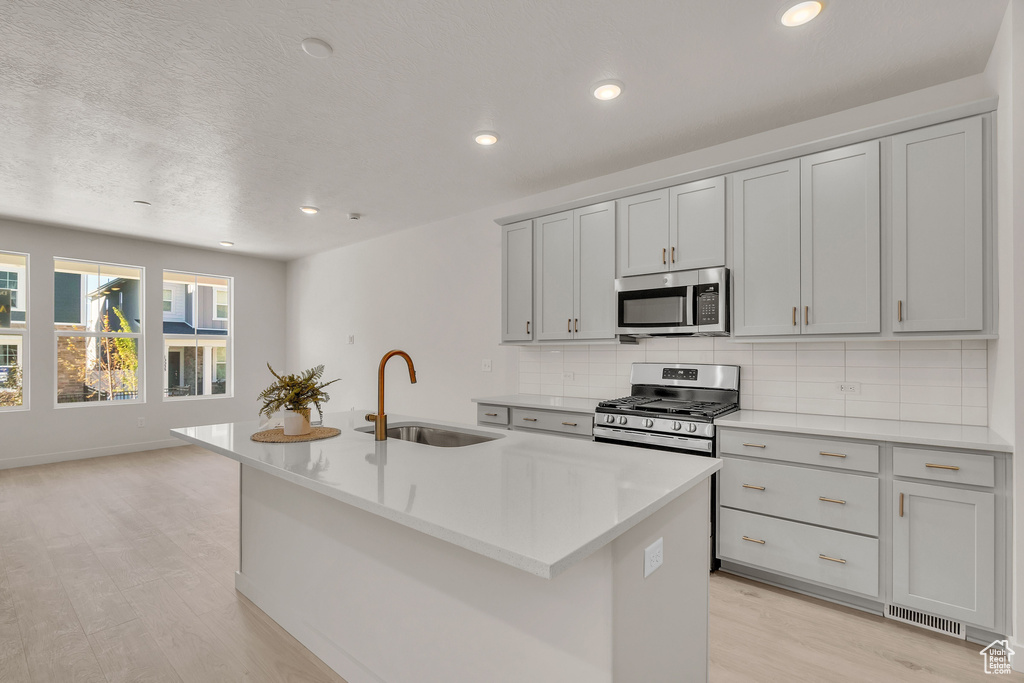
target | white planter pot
x=296, y=423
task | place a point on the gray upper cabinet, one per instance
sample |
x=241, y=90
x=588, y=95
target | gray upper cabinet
x=839, y=241
x=574, y=264
x=517, y=282
x=643, y=233
x=697, y=224
x=943, y=551
x=766, y=249
x=937, y=273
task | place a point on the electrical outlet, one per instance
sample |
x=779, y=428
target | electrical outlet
x=351, y=339
x=569, y=376
x=485, y=365
x=140, y=423
x=654, y=555
x=849, y=388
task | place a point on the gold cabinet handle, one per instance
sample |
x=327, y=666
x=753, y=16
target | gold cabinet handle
x=833, y=455
x=899, y=308
x=831, y=559
x=527, y=327
x=941, y=467
x=754, y=445
x=794, y=315
x=753, y=540
x=806, y=308
x=570, y=424
x=901, y=505
x=663, y=261
x=568, y=325
x=832, y=500
x=673, y=254
x=530, y=419
x=751, y=486
x=491, y=414
x=577, y=325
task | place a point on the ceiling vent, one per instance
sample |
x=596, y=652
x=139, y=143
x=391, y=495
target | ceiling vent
x=927, y=621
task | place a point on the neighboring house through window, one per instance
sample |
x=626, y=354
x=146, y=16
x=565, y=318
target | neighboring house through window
x=97, y=310
x=13, y=330
x=197, y=334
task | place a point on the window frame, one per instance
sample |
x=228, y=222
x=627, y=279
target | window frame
x=140, y=374
x=24, y=333
x=216, y=304
x=229, y=338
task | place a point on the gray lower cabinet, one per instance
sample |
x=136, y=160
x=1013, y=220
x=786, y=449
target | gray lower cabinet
x=943, y=551
x=517, y=282
x=937, y=225
x=560, y=422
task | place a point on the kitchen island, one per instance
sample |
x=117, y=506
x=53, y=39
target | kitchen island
x=518, y=558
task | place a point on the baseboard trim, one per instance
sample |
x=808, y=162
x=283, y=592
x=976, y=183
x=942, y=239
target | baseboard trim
x=86, y=453
x=329, y=652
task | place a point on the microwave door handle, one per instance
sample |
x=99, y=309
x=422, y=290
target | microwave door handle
x=691, y=305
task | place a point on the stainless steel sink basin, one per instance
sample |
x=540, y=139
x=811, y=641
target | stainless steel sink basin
x=434, y=435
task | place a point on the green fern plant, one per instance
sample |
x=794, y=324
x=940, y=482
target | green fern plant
x=296, y=392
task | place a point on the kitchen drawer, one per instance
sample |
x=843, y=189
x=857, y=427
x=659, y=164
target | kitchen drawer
x=496, y=415
x=550, y=421
x=835, y=499
x=955, y=468
x=800, y=550
x=844, y=455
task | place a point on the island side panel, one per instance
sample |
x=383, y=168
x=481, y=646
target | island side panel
x=378, y=601
x=661, y=622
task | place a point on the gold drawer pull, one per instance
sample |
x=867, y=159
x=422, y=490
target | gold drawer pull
x=942, y=467
x=530, y=419
x=831, y=559
x=834, y=455
x=753, y=540
x=831, y=500
x=754, y=445
x=570, y=424
x=901, y=505
x=491, y=414
x=751, y=486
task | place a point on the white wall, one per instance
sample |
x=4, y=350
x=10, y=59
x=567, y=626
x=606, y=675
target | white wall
x=45, y=433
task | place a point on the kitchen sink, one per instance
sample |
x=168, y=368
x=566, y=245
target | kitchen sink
x=433, y=435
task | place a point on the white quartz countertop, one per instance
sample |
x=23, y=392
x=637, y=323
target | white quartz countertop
x=898, y=431
x=566, y=403
x=536, y=502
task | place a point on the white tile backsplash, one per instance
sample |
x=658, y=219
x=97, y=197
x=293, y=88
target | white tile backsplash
x=921, y=380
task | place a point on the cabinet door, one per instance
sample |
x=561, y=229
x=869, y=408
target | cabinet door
x=839, y=241
x=643, y=233
x=697, y=224
x=553, y=276
x=766, y=246
x=595, y=272
x=517, y=281
x=944, y=551
x=937, y=228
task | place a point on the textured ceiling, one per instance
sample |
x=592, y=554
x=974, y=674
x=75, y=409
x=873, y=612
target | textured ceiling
x=210, y=110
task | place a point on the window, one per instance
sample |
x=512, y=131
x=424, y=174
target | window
x=98, y=322
x=13, y=330
x=197, y=335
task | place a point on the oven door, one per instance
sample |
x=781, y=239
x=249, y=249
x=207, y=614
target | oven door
x=656, y=304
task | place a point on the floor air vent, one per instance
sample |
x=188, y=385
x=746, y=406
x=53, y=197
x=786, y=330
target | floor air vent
x=937, y=624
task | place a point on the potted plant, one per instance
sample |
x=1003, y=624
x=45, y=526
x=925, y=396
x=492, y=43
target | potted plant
x=296, y=393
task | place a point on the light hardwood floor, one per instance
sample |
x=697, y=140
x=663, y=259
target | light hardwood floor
x=121, y=569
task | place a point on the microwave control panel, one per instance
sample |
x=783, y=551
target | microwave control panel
x=707, y=304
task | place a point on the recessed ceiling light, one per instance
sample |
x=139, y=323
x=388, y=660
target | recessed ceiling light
x=309, y=209
x=607, y=90
x=314, y=47
x=227, y=244
x=141, y=203
x=800, y=13
x=486, y=138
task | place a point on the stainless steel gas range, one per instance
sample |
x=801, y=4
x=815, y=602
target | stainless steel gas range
x=672, y=406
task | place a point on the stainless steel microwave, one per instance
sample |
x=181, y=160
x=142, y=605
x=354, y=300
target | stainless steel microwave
x=688, y=302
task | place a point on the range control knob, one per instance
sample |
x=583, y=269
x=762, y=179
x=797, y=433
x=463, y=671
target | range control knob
x=622, y=420
x=676, y=426
x=690, y=427
x=609, y=419
x=648, y=423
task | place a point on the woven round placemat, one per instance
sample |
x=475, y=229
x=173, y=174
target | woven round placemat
x=278, y=436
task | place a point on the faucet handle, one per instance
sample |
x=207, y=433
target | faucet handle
x=371, y=417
